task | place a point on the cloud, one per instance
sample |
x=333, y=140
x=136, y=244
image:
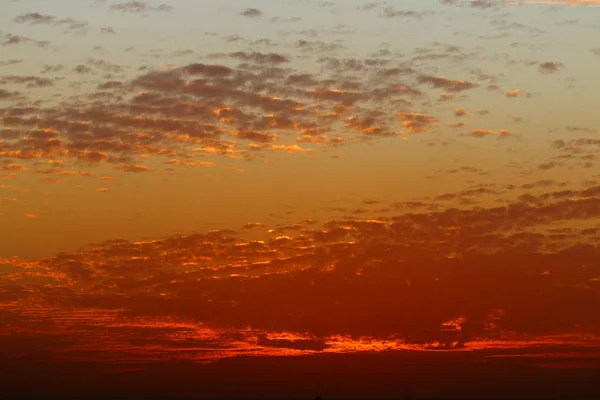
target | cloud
x=236, y=296
x=390, y=12
x=479, y=133
x=110, y=85
x=416, y=123
x=82, y=69
x=5, y=94
x=192, y=163
x=252, y=12
x=579, y=129
x=548, y=165
x=41, y=19
x=260, y=58
x=133, y=168
x=14, y=167
x=13, y=40
x=52, y=68
x=254, y=136
x=10, y=62
x=447, y=84
x=549, y=67
x=488, y=264
x=446, y=96
x=483, y=3
x=34, y=18
x=140, y=7
x=294, y=148
x=28, y=81
x=241, y=104
x=319, y=46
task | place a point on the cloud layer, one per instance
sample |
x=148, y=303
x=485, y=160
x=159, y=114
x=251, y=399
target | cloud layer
x=425, y=177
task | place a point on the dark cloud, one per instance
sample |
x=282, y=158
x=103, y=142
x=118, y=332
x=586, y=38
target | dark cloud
x=260, y=58
x=10, y=62
x=133, y=168
x=252, y=12
x=34, y=18
x=110, y=85
x=318, y=46
x=370, y=6
x=255, y=136
x=39, y=19
x=28, y=81
x=548, y=165
x=140, y=7
x=51, y=69
x=390, y=12
x=8, y=39
x=483, y=3
x=207, y=70
x=9, y=95
x=82, y=69
x=447, y=84
x=549, y=67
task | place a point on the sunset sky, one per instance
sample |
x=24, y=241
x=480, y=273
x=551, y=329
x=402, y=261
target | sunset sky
x=213, y=182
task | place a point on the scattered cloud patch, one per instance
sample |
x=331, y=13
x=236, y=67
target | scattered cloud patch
x=252, y=12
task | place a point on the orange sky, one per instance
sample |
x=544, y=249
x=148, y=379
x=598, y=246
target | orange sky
x=206, y=181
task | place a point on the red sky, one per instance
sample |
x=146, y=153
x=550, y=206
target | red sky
x=307, y=198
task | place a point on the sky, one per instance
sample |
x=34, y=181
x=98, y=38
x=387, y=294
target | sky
x=206, y=186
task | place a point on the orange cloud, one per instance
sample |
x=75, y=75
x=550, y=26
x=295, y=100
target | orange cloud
x=416, y=123
x=14, y=167
x=133, y=168
x=254, y=136
x=486, y=132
